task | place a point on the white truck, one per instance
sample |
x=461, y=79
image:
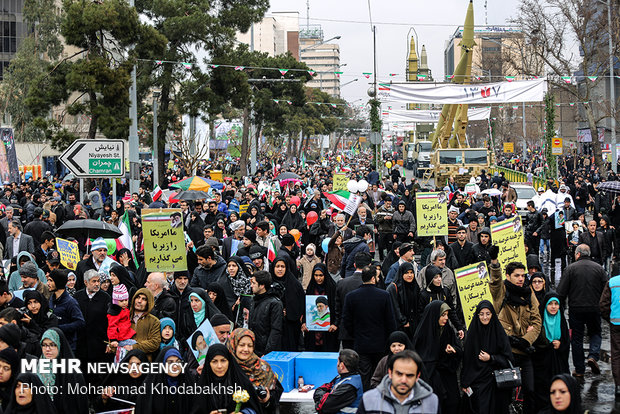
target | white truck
x=419, y=157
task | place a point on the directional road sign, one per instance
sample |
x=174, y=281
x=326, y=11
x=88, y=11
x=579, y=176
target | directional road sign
x=89, y=158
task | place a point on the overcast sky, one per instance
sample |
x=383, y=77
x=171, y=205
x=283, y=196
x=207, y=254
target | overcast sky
x=433, y=20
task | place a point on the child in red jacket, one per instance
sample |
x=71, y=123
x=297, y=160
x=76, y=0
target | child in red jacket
x=119, y=323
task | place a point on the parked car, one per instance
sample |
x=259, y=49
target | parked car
x=525, y=193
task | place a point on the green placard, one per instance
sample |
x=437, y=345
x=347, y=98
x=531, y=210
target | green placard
x=104, y=166
x=164, y=242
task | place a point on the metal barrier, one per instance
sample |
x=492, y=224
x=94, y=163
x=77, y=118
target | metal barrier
x=519, y=177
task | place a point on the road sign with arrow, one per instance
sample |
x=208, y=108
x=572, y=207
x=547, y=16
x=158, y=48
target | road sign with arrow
x=90, y=158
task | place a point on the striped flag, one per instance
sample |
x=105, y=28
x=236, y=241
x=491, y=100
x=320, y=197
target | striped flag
x=339, y=199
x=125, y=240
x=271, y=252
x=157, y=192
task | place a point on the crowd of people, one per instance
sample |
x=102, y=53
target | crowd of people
x=259, y=245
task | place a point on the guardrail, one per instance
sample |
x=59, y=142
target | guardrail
x=519, y=177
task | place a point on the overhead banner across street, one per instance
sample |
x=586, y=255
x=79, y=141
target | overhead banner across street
x=452, y=93
x=430, y=116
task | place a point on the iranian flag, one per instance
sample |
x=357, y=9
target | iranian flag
x=339, y=199
x=271, y=252
x=157, y=192
x=125, y=240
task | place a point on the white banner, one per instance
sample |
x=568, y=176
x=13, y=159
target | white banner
x=452, y=93
x=473, y=114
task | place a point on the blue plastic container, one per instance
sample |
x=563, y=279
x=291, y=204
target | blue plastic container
x=317, y=368
x=283, y=365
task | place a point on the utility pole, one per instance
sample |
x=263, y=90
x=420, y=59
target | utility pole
x=134, y=155
x=253, y=141
x=155, y=143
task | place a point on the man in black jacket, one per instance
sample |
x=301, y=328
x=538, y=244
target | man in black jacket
x=481, y=249
x=94, y=303
x=266, y=315
x=210, y=267
x=582, y=284
x=343, y=287
x=595, y=241
x=368, y=316
x=533, y=222
x=165, y=305
x=463, y=250
x=354, y=245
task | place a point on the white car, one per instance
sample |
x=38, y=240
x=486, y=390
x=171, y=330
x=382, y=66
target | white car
x=525, y=193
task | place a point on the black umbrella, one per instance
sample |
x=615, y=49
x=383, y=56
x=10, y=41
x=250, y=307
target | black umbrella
x=92, y=228
x=610, y=186
x=191, y=195
x=288, y=176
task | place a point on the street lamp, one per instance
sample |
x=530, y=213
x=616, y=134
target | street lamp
x=320, y=43
x=523, y=103
x=349, y=82
x=156, y=95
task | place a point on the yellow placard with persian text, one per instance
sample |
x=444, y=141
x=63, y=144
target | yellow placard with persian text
x=509, y=237
x=164, y=241
x=69, y=253
x=340, y=181
x=432, y=214
x=473, y=285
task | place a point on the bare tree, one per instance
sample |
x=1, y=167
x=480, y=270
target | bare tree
x=191, y=151
x=570, y=37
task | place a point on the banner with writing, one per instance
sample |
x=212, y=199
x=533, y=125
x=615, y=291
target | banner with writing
x=432, y=214
x=164, y=244
x=508, y=235
x=340, y=181
x=473, y=286
x=69, y=253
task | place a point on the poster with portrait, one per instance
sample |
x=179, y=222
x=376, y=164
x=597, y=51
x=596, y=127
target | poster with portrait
x=473, y=286
x=508, y=235
x=317, y=313
x=559, y=219
x=164, y=242
x=200, y=341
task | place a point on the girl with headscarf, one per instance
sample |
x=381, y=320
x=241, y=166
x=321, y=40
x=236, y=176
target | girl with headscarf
x=405, y=294
x=218, y=297
x=397, y=341
x=565, y=396
x=540, y=287
x=9, y=370
x=321, y=283
x=486, y=349
x=292, y=219
x=237, y=289
x=38, y=318
x=191, y=317
x=241, y=346
x=25, y=401
x=221, y=370
x=552, y=348
x=126, y=259
x=294, y=303
x=70, y=286
x=115, y=385
x=335, y=253
x=54, y=345
x=168, y=333
x=439, y=348
x=172, y=399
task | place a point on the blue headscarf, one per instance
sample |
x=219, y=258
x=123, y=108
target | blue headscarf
x=553, y=323
x=168, y=322
x=199, y=316
x=172, y=381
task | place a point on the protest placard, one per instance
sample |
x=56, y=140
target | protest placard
x=164, y=244
x=432, y=214
x=340, y=181
x=317, y=313
x=473, y=285
x=69, y=253
x=508, y=236
x=200, y=341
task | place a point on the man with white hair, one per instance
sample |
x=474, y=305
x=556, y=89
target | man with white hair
x=94, y=303
x=340, y=225
x=165, y=305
